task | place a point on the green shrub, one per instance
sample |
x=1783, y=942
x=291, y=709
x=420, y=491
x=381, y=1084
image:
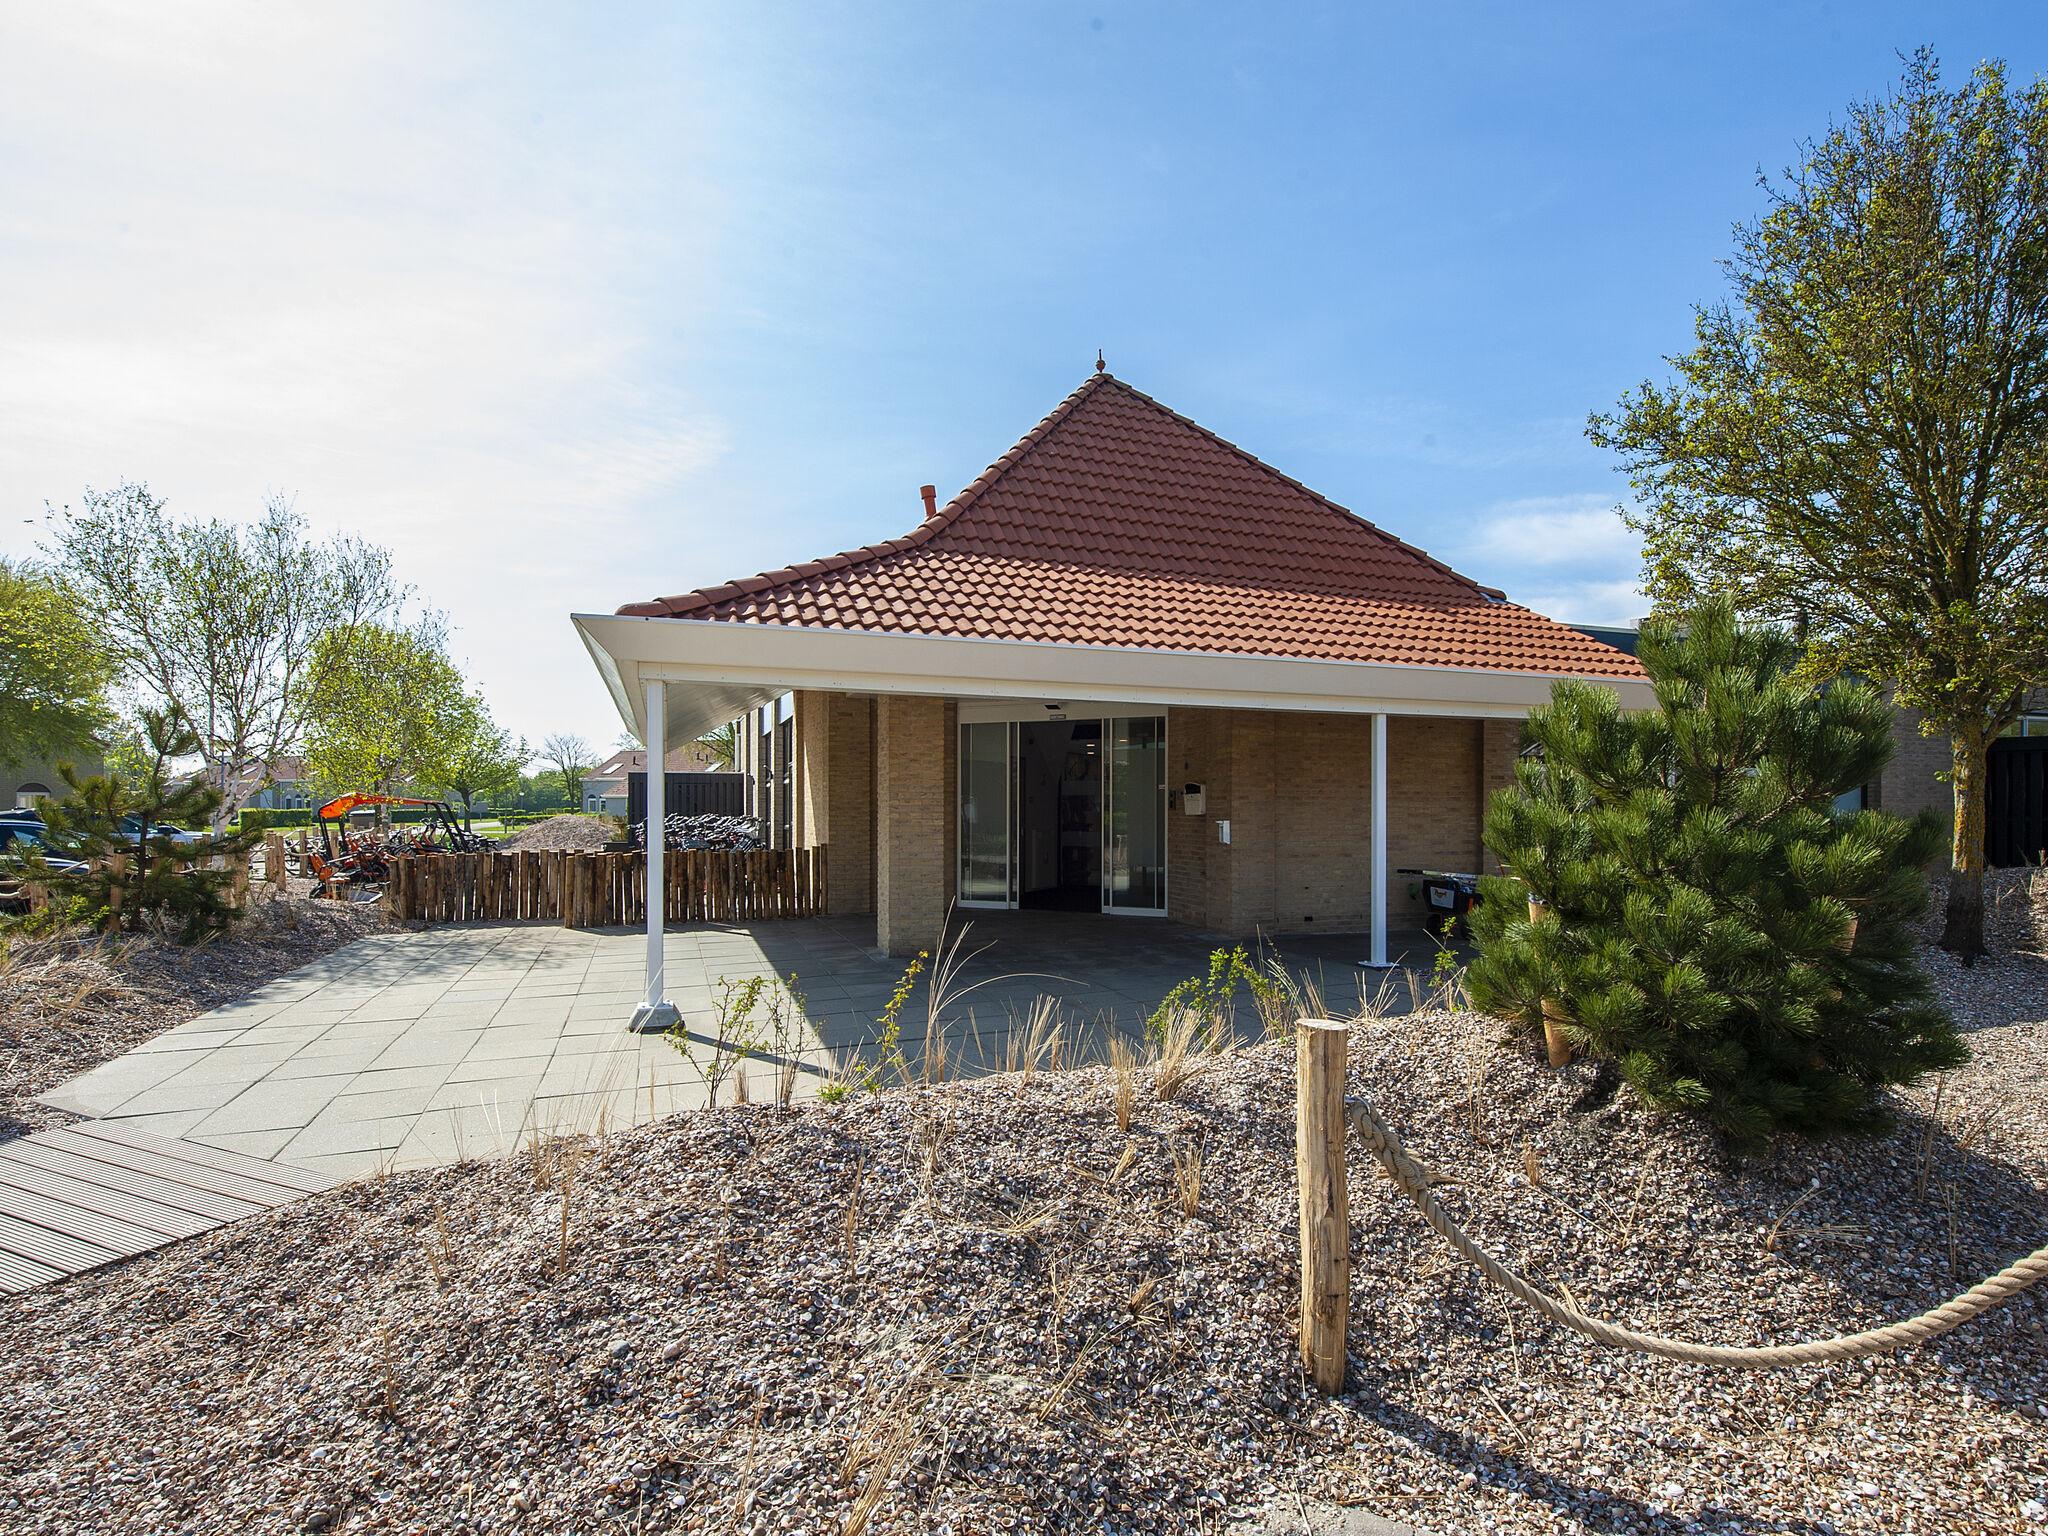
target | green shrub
x=157, y=882
x=1710, y=924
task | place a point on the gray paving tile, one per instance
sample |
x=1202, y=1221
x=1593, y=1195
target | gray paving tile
x=339, y=1136
x=386, y=1079
x=421, y=1048
x=275, y=1105
x=263, y=1144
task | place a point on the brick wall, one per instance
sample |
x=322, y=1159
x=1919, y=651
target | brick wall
x=1435, y=773
x=1297, y=791
x=1911, y=782
x=835, y=773
x=913, y=837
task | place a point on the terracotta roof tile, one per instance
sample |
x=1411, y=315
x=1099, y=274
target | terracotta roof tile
x=1118, y=522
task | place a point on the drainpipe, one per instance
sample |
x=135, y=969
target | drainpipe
x=655, y=1012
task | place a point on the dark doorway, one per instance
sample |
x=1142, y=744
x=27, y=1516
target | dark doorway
x=2016, y=801
x=1059, y=815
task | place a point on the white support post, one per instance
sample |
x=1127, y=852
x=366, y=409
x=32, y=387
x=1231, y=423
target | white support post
x=655, y=1012
x=1378, y=961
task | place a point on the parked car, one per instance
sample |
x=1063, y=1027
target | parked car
x=18, y=839
x=131, y=829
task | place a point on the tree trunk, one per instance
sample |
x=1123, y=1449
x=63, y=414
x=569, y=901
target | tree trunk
x=1962, y=932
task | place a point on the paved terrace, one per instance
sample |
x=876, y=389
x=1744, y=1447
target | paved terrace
x=413, y=1049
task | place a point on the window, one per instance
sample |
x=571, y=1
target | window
x=2028, y=725
x=29, y=794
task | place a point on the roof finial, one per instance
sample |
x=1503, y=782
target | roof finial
x=1099, y=365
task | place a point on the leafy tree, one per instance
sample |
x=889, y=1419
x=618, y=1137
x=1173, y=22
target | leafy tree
x=220, y=620
x=570, y=758
x=136, y=875
x=382, y=702
x=1857, y=445
x=1709, y=923
x=476, y=758
x=54, y=670
x=721, y=746
x=540, y=791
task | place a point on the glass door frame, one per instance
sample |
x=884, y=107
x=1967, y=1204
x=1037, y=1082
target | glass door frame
x=1109, y=725
x=1010, y=811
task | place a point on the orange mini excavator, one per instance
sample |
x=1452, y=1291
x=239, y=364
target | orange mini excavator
x=365, y=856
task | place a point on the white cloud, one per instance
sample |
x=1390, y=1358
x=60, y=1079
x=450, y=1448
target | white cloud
x=1586, y=602
x=1555, y=530
x=370, y=259
x=1568, y=556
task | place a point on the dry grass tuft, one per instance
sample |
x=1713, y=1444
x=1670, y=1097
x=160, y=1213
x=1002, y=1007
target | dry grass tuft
x=1181, y=1053
x=1123, y=1067
x=1187, y=1175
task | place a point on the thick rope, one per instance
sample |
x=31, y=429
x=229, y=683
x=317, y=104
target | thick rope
x=1413, y=1180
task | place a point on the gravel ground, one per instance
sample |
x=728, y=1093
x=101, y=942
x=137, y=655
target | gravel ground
x=563, y=832
x=984, y=1308
x=70, y=1002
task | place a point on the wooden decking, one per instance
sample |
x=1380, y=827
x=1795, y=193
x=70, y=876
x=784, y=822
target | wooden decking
x=88, y=1194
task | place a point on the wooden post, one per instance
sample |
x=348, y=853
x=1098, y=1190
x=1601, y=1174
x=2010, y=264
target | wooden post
x=1556, y=1047
x=117, y=882
x=1325, y=1200
x=273, y=860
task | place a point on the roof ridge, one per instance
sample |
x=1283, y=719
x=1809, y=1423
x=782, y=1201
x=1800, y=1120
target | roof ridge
x=1312, y=493
x=706, y=597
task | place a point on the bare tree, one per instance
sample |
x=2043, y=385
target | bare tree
x=570, y=757
x=217, y=619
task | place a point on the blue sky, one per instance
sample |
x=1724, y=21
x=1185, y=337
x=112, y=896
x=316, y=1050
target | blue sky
x=574, y=308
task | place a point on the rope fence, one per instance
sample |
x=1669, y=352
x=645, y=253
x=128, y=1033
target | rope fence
x=1325, y=1293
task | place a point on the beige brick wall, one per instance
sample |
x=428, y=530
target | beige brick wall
x=1435, y=773
x=1297, y=791
x=1911, y=782
x=1500, y=746
x=913, y=812
x=835, y=773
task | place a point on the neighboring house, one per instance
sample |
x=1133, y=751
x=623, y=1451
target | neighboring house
x=604, y=787
x=1131, y=669
x=24, y=783
x=279, y=785
x=1917, y=777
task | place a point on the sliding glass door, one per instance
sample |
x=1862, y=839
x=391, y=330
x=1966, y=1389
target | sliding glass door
x=1026, y=794
x=987, y=773
x=1134, y=814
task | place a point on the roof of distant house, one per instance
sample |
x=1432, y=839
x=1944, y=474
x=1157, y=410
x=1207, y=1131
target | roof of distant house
x=1118, y=522
x=684, y=759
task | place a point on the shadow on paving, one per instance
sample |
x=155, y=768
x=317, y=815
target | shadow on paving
x=1105, y=975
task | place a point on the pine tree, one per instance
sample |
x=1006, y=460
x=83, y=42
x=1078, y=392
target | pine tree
x=1708, y=921
x=137, y=876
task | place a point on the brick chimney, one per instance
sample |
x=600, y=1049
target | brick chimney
x=930, y=493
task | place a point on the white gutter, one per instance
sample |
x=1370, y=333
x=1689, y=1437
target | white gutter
x=717, y=669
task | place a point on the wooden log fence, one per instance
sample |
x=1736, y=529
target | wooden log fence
x=604, y=890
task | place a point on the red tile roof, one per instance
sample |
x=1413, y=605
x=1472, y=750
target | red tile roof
x=1118, y=522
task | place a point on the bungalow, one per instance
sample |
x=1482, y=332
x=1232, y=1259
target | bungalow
x=605, y=786
x=1130, y=669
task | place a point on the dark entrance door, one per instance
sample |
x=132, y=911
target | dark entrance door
x=1059, y=815
x=2016, y=801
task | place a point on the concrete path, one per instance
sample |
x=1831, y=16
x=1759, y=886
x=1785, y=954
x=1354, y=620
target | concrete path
x=412, y=1049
